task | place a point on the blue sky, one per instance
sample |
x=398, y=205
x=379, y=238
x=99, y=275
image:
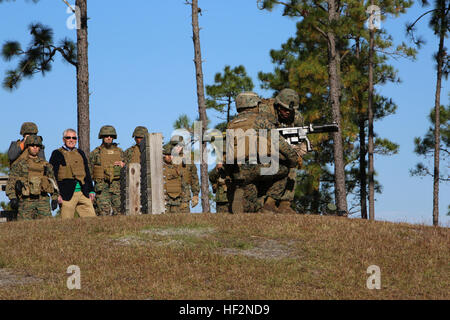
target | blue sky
x=142, y=73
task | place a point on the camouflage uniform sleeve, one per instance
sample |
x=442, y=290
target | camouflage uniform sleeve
x=195, y=187
x=14, y=174
x=268, y=121
x=122, y=155
x=92, y=159
x=298, y=119
x=127, y=155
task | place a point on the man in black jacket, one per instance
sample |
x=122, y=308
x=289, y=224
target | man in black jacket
x=71, y=170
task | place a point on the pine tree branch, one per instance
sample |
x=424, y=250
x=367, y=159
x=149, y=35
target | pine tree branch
x=301, y=14
x=66, y=57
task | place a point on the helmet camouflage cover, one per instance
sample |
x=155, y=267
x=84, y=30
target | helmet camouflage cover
x=33, y=140
x=107, y=131
x=167, y=149
x=28, y=128
x=247, y=100
x=139, y=132
x=288, y=99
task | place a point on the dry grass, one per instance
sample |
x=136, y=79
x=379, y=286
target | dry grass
x=208, y=256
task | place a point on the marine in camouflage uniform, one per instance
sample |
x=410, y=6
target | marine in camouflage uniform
x=191, y=186
x=105, y=163
x=248, y=183
x=285, y=110
x=30, y=182
x=173, y=181
x=133, y=153
x=221, y=182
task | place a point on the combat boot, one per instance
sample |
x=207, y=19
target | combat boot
x=269, y=206
x=238, y=201
x=285, y=207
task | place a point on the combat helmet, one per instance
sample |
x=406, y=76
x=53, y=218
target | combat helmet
x=107, y=131
x=167, y=149
x=247, y=99
x=28, y=128
x=139, y=132
x=288, y=99
x=33, y=140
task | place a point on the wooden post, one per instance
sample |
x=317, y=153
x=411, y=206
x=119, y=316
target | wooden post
x=133, y=189
x=152, y=175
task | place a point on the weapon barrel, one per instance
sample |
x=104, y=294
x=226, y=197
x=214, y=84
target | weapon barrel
x=333, y=127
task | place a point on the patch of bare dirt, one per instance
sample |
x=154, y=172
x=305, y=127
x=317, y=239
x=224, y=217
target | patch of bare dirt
x=8, y=278
x=265, y=249
x=196, y=232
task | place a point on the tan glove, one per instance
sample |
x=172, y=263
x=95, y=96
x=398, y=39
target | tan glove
x=301, y=151
x=194, y=201
x=299, y=162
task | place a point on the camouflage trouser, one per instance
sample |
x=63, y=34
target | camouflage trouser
x=291, y=182
x=173, y=209
x=173, y=205
x=184, y=207
x=34, y=208
x=222, y=207
x=107, y=197
x=245, y=177
x=274, y=186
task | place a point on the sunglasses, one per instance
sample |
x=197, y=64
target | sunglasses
x=68, y=138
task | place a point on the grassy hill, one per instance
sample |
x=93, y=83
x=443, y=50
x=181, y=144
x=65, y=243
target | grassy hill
x=209, y=256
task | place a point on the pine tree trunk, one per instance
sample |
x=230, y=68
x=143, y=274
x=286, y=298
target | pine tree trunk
x=83, y=80
x=228, y=109
x=362, y=150
x=362, y=167
x=437, y=123
x=201, y=104
x=335, y=92
x=370, y=124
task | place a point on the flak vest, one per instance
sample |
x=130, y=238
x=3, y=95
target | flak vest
x=173, y=181
x=136, y=155
x=186, y=173
x=37, y=182
x=245, y=123
x=74, y=168
x=107, y=170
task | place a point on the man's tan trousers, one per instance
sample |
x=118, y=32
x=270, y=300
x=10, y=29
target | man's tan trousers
x=78, y=203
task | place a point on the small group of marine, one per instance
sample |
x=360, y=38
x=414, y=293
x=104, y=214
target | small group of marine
x=90, y=186
x=242, y=188
x=87, y=186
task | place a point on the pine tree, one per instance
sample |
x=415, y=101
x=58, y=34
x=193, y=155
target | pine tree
x=226, y=87
x=201, y=102
x=440, y=23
